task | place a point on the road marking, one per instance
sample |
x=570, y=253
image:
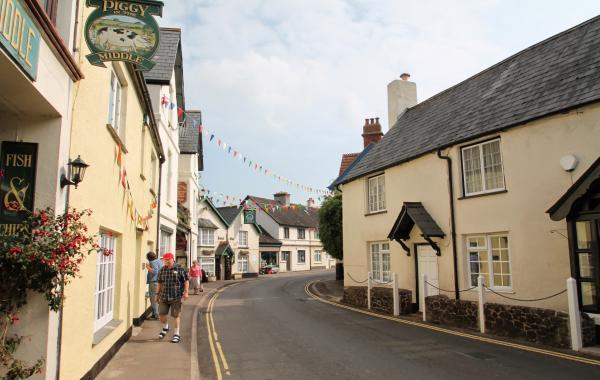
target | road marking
x=456, y=333
x=213, y=336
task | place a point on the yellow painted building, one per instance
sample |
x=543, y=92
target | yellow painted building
x=114, y=131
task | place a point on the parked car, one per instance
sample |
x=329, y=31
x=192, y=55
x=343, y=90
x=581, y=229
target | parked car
x=269, y=269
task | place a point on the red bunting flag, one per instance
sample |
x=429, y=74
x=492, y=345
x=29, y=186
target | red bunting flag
x=179, y=111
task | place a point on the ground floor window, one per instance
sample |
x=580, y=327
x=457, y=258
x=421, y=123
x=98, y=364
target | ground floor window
x=208, y=264
x=105, y=281
x=587, y=236
x=317, y=256
x=285, y=255
x=489, y=257
x=242, y=263
x=380, y=261
x=301, y=257
x=165, y=242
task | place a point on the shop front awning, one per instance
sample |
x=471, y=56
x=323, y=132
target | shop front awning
x=414, y=213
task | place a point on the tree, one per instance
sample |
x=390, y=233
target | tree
x=330, y=225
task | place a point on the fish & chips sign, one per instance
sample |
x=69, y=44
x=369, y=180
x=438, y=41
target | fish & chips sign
x=123, y=31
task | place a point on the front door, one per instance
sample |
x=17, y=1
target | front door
x=587, y=249
x=227, y=267
x=427, y=264
x=218, y=267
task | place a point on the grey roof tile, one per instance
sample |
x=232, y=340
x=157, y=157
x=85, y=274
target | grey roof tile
x=559, y=73
x=190, y=138
x=165, y=57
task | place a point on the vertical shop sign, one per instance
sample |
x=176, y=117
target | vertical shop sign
x=17, y=189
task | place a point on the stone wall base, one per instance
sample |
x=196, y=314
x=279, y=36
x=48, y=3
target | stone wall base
x=381, y=299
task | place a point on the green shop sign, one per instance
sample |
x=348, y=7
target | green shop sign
x=123, y=31
x=19, y=36
x=250, y=216
x=17, y=186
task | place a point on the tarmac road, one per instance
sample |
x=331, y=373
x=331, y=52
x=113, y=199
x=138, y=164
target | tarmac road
x=271, y=329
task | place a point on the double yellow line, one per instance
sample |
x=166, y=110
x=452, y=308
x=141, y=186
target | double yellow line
x=213, y=337
x=456, y=333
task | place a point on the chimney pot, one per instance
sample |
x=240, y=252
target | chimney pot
x=404, y=76
x=377, y=120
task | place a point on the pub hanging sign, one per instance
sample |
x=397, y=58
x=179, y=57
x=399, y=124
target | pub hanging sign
x=123, y=31
x=17, y=173
x=250, y=216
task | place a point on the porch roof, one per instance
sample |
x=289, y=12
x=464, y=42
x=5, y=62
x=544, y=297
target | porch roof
x=414, y=213
x=563, y=206
x=224, y=249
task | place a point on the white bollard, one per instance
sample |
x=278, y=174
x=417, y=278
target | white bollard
x=481, y=291
x=369, y=290
x=396, y=296
x=423, y=296
x=574, y=315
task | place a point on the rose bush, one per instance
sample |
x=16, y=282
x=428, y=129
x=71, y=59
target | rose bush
x=41, y=258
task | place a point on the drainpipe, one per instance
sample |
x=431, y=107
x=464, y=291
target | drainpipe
x=158, y=201
x=452, y=221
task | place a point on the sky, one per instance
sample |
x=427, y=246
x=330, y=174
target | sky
x=288, y=83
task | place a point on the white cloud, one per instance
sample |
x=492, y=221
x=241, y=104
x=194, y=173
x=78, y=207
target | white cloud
x=290, y=82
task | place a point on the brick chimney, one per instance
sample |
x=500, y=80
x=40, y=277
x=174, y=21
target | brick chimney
x=282, y=197
x=371, y=131
x=402, y=94
x=182, y=192
x=310, y=203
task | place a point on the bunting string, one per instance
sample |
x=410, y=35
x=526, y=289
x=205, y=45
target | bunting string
x=251, y=164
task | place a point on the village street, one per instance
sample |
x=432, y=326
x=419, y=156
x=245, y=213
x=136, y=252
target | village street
x=272, y=329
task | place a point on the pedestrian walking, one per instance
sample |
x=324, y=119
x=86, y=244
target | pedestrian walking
x=173, y=285
x=196, y=277
x=153, y=266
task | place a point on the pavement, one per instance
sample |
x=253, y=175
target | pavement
x=144, y=356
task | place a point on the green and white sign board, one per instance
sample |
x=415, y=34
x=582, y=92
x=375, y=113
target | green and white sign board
x=250, y=216
x=19, y=36
x=123, y=31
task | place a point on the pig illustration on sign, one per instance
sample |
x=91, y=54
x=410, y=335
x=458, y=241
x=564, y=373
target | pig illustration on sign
x=121, y=39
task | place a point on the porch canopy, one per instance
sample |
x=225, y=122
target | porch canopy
x=588, y=180
x=414, y=213
x=224, y=249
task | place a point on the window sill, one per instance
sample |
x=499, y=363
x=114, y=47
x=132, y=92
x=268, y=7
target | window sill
x=483, y=194
x=116, y=137
x=376, y=212
x=143, y=177
x=105, y=331
x=152, y=192
x=501, y=291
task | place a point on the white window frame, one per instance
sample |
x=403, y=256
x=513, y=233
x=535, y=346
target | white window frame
x=242, y=263
x=114, y=102
x=208, y=264
x=243, y=239
x=104, y=295
x=317, y=235
x=304, y=255
x=482, y=168
x=318, y=256
x=303, y=237
x=376, y=194
x=286, y=232
x=285, y=256
x=381, y=267
x=487, y=247
x=207, y=237
x=165, y=242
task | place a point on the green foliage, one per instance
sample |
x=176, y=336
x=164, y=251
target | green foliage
x=41, y=258
x=330, y=225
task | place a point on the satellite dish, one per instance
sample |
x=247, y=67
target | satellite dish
x=569, y=162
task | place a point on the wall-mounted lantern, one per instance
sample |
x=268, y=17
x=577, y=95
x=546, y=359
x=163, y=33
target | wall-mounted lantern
x=76, y=172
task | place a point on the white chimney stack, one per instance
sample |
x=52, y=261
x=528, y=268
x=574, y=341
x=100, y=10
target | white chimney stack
x=402, y=94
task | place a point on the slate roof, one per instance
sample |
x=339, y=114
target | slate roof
x=206, y=223
x=229, y=213
x=266, y=239
x=165, y=56
x=414, y=213
x=560, y=73
x=298, y=216
x=347, y=159
x=190, y=138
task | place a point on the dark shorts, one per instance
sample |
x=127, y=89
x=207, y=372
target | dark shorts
x=175, y=306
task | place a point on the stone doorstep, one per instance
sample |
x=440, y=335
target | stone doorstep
x=593, y=351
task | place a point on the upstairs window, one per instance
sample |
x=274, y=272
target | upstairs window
x=50, y=7
x=301, y=234
x=376, y=194
x=114, y=102
x=286, y=232
x=482, y=168
x=243, y=238
x=207, y=237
